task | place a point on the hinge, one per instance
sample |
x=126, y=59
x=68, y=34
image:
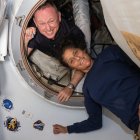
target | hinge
x=48, y=95
x=20, y=65
x=19, y=20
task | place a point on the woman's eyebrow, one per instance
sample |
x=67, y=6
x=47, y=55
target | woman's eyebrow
x=74, y=52
x=68, y=61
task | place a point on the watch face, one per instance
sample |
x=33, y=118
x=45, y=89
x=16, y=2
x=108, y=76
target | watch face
x=70, y=85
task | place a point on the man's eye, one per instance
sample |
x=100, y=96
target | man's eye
x=51, y=21
x=41, y=23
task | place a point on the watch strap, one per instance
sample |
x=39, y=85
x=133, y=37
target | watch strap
x=71, y=86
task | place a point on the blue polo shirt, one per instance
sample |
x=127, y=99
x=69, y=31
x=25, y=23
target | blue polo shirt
x=114, y=83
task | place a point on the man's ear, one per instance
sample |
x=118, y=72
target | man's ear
x=59, y=14
x=35, y=21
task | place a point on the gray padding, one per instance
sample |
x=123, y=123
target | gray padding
x=82, y=18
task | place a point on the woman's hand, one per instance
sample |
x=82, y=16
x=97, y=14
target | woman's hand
x=64, y=94
x=57, y=129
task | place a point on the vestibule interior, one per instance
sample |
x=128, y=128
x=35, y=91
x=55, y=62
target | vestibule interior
x=98, y=39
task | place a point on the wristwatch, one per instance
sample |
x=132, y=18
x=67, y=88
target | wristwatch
x=71, y=86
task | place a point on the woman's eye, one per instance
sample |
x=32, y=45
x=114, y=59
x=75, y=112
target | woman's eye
x=75, y=52
x=71, y=61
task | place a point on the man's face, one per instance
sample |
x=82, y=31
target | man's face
x=77, y=59
x=47, y=21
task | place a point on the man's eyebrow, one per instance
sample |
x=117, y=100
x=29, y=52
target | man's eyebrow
x=51, y=19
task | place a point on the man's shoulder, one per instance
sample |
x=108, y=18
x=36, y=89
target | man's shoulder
x=70, y=24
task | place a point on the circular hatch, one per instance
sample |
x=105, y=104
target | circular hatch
x=45, y=87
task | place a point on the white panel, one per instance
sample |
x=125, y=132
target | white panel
x=123, y=16
x=3, y=39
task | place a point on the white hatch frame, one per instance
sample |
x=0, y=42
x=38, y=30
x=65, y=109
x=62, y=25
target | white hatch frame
x=18, y=26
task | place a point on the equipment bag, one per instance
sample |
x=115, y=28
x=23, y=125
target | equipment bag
x=49, y=66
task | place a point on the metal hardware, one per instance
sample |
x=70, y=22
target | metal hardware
x=20, y=65
x=19, y=20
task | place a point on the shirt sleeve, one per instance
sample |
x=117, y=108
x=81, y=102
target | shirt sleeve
x=35, y=41
x=116, y=53
x=94, y=120
x=32, y=44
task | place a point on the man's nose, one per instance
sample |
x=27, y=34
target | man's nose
x=48, y=27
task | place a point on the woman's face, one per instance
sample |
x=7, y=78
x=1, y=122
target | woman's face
x=77, y=59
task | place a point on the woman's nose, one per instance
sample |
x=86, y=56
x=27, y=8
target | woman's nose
x=77, y=57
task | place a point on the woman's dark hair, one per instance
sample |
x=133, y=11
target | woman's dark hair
x=72, y=40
